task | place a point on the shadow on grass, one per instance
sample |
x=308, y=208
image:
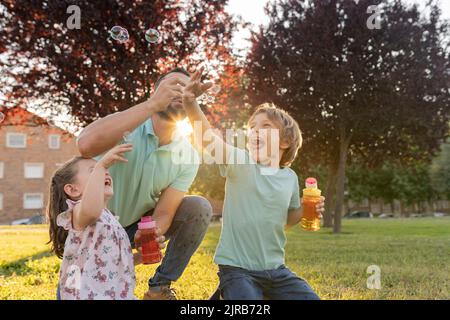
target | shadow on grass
x=20, y=267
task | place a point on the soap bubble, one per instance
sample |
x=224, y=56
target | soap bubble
x=115, y=32
x=119, y=34
x=216, y=89
x=124, y=37
x=207, y=99
x=2, y=117
x=152, y=35
x=211, y=99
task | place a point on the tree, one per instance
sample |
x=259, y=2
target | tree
x=52, y=66
x=411, y=184
x=357, y=93
x=440, y=171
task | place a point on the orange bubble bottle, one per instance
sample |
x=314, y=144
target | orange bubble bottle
x=311, y=197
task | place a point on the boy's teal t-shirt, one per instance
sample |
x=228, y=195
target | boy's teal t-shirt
x=255, y=213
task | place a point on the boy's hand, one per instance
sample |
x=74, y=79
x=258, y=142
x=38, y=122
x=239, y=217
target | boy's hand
x=195, y=88
x=159, y=238
x=167, y=91
x=320, y=207
x=114, y=155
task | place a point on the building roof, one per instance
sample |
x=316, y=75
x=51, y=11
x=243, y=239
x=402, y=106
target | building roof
x=19, y=116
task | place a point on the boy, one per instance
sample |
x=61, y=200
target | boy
x=261, y=199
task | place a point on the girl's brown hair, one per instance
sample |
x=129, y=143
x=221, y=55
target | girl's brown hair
x=57, y=203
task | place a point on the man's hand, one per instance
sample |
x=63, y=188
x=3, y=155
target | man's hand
x=114, y=155
x=320, y=207
x=195, y=88
x=159, y=238
x=168, y=90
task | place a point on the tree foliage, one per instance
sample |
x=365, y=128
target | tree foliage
x=357, y=93
x=440, y=171
x=50, y=65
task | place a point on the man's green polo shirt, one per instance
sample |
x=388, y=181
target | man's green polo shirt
x=150, y=170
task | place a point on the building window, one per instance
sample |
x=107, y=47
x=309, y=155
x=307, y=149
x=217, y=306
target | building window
x=54, y=141
x=33, y=201
x=34, y=170
x=16, y=140
x=1, y=201
x=2, y=170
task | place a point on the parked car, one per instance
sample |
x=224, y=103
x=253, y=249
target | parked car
x=36, y=219
x=359, y=214
x=385, y=215
x=439, y=214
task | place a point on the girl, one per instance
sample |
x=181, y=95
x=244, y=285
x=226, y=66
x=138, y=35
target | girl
x=96, y=252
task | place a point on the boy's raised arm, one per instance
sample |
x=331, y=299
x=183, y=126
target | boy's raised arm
x=192, y=91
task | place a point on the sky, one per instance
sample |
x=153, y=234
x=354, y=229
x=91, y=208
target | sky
x=253, y=11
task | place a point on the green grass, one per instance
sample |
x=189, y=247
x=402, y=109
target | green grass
x=413, y=254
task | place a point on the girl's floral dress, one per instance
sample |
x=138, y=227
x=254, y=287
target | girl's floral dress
x=98, y=261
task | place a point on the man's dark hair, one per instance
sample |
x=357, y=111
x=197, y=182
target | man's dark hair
x=176, y=70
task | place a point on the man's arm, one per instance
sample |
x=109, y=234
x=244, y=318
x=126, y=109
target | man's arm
x=166, y=208
x=105, y=133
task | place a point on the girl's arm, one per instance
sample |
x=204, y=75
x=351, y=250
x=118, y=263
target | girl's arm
x=93, y=199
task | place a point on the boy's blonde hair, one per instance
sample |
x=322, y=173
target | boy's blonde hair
x=289, y=130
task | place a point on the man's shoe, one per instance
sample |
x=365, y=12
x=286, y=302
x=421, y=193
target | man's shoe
x=160, y=293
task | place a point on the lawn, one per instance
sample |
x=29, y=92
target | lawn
x=413, y=255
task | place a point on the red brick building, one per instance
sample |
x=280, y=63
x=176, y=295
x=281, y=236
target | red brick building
x=30, y=151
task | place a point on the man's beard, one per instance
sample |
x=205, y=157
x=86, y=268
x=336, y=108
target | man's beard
x=173, y=113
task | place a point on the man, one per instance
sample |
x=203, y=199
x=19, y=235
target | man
x=151, y=183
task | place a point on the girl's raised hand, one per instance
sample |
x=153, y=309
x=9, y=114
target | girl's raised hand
x=114, y=155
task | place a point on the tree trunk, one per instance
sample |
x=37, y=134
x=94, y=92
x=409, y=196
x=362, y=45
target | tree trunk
x=340, y=182
x=329, y=198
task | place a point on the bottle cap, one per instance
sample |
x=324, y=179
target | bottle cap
x=311, y=183
x=146, y=223
x=311, y=189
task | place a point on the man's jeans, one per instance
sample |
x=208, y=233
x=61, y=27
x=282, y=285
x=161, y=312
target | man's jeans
x=278, y=284
x=185, y=234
